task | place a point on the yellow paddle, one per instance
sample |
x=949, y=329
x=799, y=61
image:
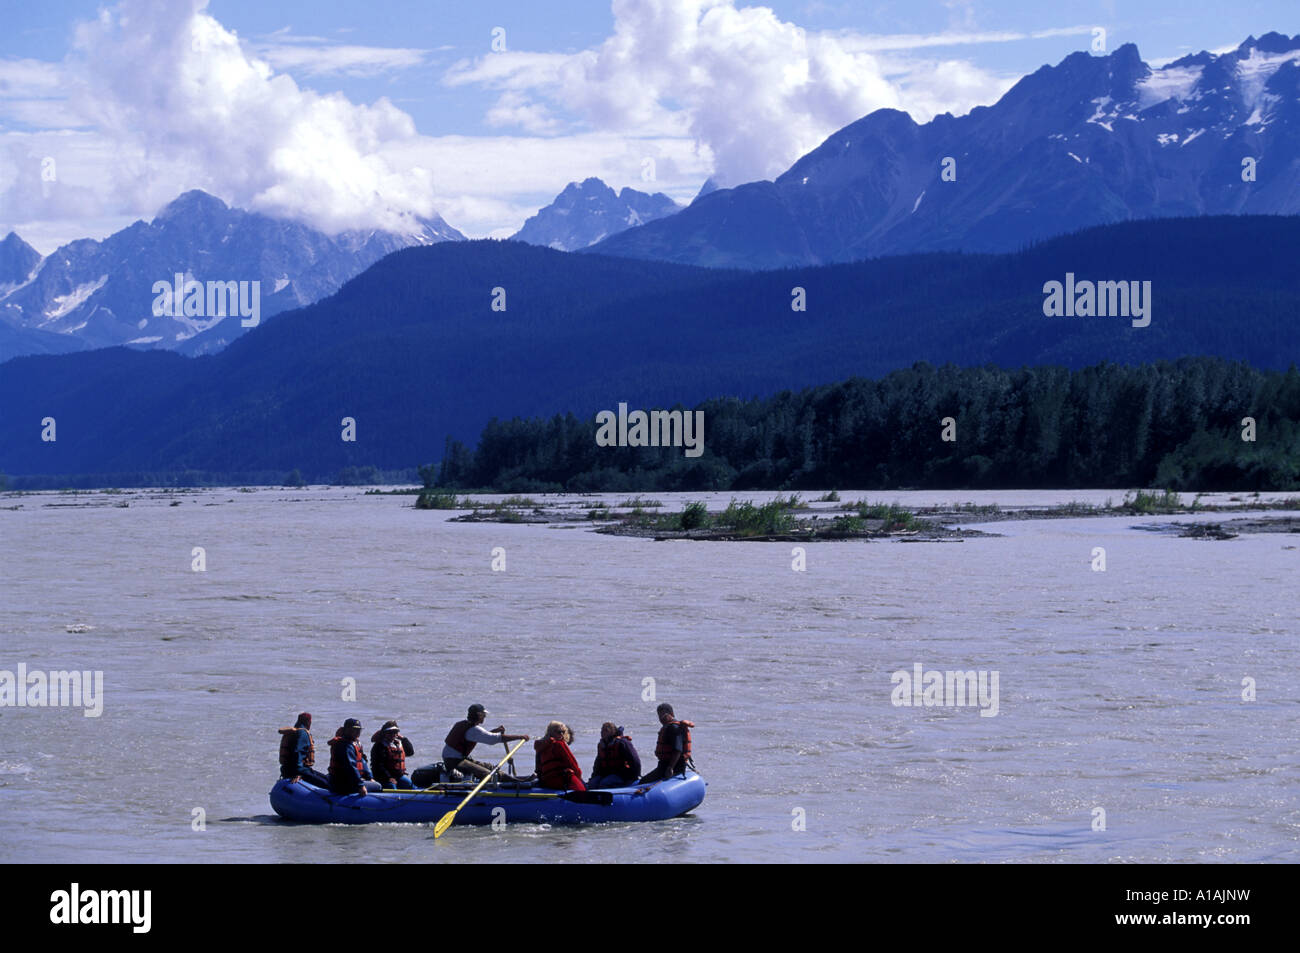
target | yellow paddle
x=441, y=827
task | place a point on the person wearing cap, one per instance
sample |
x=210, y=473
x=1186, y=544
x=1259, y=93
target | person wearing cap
x=298, y=753
x=617, y=763
x=349, y=773
x=388, y=757
x=465, y=735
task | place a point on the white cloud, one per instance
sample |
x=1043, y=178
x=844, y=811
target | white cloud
x=754, y=91
x=158, y=97
x=318, y=56
x=184, y=91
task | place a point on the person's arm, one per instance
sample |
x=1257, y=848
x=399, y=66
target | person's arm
x=570, y=760
x=632, y=756
x=407, y=746
x=300, y=749
x=351, y=777
x=480, y=736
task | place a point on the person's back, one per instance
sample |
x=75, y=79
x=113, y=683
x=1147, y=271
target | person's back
x=298, y=753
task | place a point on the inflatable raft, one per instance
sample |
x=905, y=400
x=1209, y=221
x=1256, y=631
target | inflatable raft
x=306, y=803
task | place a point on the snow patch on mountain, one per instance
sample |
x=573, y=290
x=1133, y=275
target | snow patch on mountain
x=1172, y=82
x=65, y=304
x=1254, y=72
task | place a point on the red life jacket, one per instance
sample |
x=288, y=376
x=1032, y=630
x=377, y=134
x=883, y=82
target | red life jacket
x=456, y=738
x=289, y=749
x=611, y=758
x=340, y=748
x=558, y=768
x=664, y=746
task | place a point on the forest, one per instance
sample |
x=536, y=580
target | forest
x=1199, y=424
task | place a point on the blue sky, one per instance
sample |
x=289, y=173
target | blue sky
x=352, y=115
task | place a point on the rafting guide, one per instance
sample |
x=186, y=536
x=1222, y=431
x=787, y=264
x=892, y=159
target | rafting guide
x=75, y=906
x=658, y=428
x=936, y=689
x=55, y=689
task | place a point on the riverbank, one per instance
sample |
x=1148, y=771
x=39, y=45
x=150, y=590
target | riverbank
x=792, y=519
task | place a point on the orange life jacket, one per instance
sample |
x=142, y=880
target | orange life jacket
x=664, y=746
x=391, y=757
x=612, y=758
x=456, y=738
x=340, y=748
x=289, y=748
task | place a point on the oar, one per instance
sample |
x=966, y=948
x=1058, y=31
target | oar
x=441, y=827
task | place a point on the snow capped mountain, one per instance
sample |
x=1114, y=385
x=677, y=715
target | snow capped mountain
x=104, y=293
x=1090, y=141
x=585, y=213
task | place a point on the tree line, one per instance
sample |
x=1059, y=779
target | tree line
x=1178, y=424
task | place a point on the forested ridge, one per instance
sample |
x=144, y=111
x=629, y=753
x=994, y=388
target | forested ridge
x=414, y=352
x=1177, y=424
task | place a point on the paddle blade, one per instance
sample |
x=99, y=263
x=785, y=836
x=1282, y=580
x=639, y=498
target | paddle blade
x=443, y=823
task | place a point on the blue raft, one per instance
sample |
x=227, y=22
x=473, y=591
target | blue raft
x=305, y=803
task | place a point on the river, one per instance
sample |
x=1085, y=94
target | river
x=1121, y=731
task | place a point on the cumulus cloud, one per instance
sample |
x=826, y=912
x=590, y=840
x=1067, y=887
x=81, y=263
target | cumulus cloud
x=753, y=90
x=167, y=77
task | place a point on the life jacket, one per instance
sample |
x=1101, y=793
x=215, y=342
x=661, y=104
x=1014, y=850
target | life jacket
x=340, y=749
x=612, y=758
x=456, y=738
x=390, y=757
x=289, y=749
x=557, y=767
x=664, y=746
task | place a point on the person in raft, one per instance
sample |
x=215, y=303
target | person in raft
x=388, y=757
x=349, y=773
x=617, y=763
x=298, y=753
x=467, y=733
x=540, y=744
x=557, y=768
x=673, y=749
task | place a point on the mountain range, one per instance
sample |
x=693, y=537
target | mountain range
x=1091, y=141
x=586, y=212
x=89, y=294
x=413, y=351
